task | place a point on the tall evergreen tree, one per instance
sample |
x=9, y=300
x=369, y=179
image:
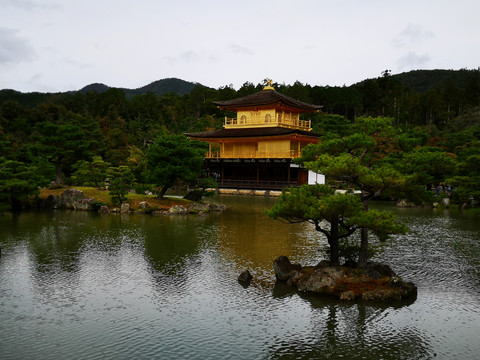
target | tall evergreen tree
x=355, y=162
x=337, y=216
x=17, y=182
x=173, y=158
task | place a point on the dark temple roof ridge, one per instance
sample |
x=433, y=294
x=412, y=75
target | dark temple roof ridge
x=249, y=132
x=266, y=97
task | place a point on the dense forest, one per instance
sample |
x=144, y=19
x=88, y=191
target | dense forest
x=47, y=137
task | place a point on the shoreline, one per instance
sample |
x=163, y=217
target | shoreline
x=98, y=200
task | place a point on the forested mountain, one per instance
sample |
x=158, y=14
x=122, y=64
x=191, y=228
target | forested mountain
x=165, y=86
x=97, y=87
x=421, y=97
x=414, y=97
x=159, y=87
x=422, y=81
x=24, y=99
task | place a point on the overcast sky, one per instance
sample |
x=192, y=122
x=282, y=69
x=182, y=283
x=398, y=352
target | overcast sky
x=60, y=45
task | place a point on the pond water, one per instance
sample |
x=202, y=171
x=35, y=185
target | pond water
x=77, y=285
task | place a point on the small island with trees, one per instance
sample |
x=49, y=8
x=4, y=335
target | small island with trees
x=352, y=162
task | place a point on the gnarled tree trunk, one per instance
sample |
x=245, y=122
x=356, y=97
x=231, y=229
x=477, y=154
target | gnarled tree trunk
x=334, y=246
x=363, y=253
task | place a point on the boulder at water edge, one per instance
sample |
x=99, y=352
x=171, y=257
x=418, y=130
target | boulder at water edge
x=377, y=282
x=245, y=277
x=75, y=199
x=69, y=197
x=177, y=209
x=125, y=208
x=284, y=268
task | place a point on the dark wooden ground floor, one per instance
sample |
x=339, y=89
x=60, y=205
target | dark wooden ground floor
x=265, y=174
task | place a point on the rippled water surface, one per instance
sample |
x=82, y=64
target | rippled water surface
x=79, y=285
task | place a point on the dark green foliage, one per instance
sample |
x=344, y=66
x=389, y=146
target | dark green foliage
x=116, y=146
x=411, y=137
x=61, y=144
x=330, y=125
x=96, y=205
x=201, y=191
x=17, y=182
x=337, y=216
x=4, y=148
x=467, y=178
x=144, y=188
x=121, y=181
x=357, y=161
x=174, y=158
x=63, y=137
x=91, y=173
x=429, y=165
x=25, y=99
x=422, y=81
x=428, y=111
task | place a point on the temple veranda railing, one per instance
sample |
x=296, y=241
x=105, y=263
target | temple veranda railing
x=273, y=154
x=262, y=122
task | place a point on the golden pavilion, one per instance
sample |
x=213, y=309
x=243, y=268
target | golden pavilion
x=255, y=150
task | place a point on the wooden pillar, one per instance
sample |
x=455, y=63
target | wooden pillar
x=258, y=173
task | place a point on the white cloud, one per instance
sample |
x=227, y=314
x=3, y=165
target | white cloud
x=23, y=4
x=242, y=50
x=14, y=48
x=183, y=57
x=78, y=64
x=413, y=34
x=189, y=56
x=27, y=4
x=412, y=60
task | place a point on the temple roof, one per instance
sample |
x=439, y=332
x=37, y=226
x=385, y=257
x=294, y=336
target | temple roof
x=266, y=97
x=250, y=132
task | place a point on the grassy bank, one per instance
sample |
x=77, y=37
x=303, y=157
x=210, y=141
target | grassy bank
x=132, y=199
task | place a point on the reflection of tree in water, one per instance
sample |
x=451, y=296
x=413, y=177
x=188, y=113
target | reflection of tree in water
x=176, y=253
x=353, y=331
x=187, y=274
x=53, y=247
x=68, y=248
x=48, y=247
x=169, y=242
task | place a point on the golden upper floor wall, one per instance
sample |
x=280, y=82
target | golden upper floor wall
x=261, y=149
x=267, y=118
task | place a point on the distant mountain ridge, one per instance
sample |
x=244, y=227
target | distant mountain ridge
x=419, y=81
x=98, y=87
x=159, y=87
x=422, y=81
